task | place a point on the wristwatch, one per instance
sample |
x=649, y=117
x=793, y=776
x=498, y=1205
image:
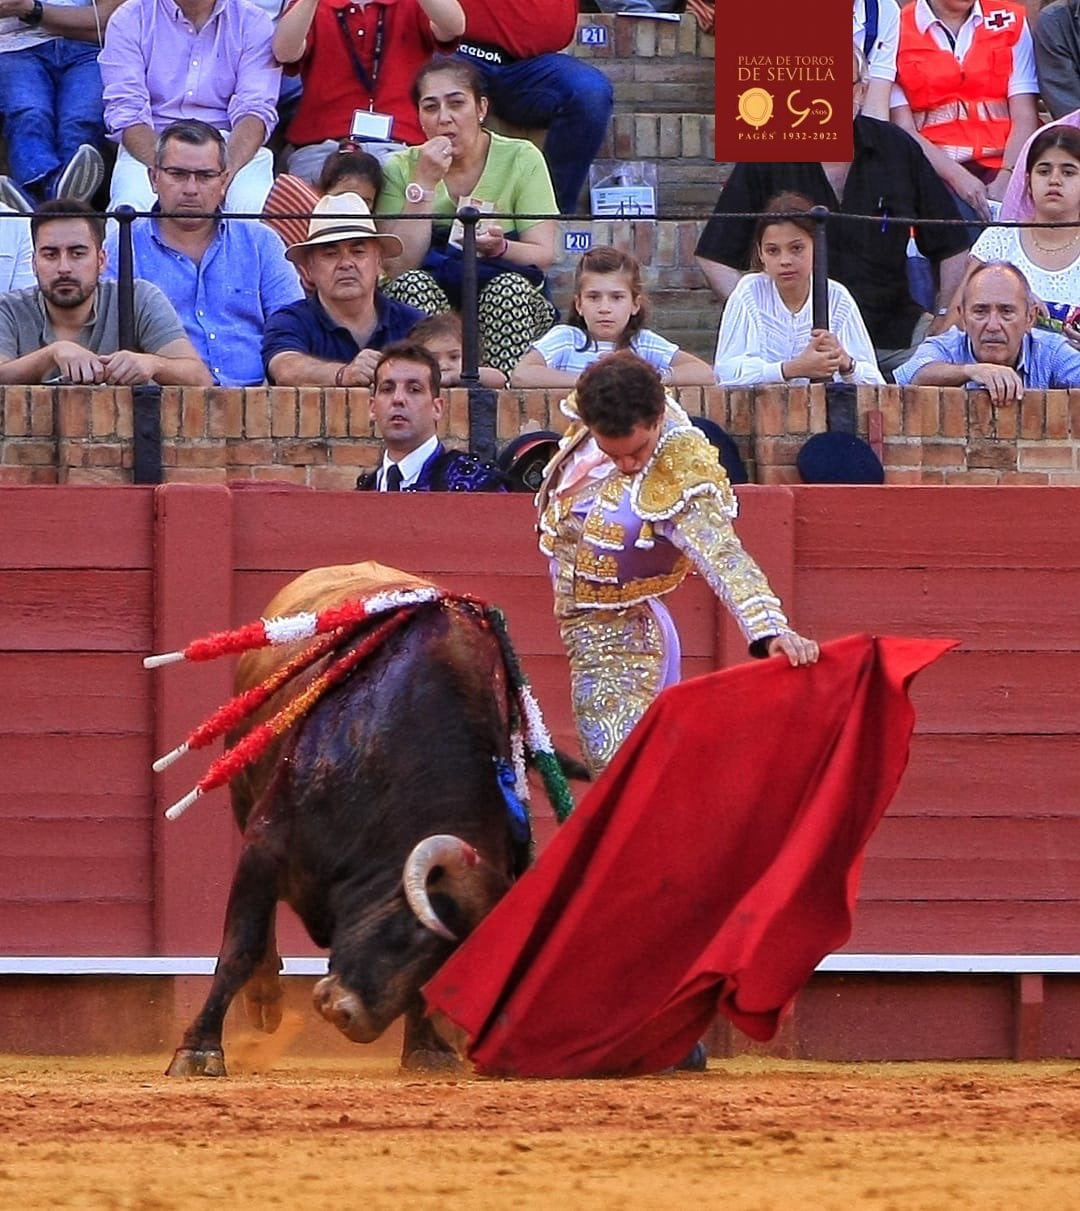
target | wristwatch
x=417, y=193
x=34, y=16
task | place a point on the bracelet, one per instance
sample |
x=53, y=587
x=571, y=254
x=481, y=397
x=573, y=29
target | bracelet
x=35, y=15
x=503, y=250
x=339, y=378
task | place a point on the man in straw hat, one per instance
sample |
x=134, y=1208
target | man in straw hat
x=333, y=338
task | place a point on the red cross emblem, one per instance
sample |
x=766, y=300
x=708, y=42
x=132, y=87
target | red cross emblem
x=1000, y=18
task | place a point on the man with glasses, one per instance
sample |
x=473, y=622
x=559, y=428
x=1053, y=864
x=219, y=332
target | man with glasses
x=889, y=177
x=225, y=277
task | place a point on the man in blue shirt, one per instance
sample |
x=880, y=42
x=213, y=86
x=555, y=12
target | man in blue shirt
x=334, y=337
x=225, y=277
x=998, y=349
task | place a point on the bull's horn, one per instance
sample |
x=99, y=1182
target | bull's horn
x=442, y=849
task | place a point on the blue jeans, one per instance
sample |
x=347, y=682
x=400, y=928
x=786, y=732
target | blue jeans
x=50, y=102
x=570, y=99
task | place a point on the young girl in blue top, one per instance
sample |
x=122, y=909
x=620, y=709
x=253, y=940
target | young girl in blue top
x=609, y=311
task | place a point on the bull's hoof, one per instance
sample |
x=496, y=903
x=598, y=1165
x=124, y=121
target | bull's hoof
x=430, y=1060
x=188, y=1062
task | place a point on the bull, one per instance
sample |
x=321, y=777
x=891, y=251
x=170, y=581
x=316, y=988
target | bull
x=378, y=817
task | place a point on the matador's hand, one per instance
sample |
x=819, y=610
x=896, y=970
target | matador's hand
x=797, y=649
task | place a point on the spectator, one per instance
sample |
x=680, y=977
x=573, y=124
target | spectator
x=50, y=100
x=67, y=327
x=1017, y=203
x=462, y=163
x=148, y=65
x=1057, y=56
x=333, y=337
x=406, y=407
x=966, y=88
x=441, y=335
x=767, y=334
x=347, y=170
x=16, y=251
x=609, y=311
x=514, y=43
x=225, y=277
x=997, y=348
x=888, y=176
x=875, y=28
x=360, y=58
x=1048, y=256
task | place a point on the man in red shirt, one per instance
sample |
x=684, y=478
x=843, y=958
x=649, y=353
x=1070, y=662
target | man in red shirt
x=515, y=42
x=355, y=55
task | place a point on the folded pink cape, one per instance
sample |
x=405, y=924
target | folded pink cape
x=710, y=869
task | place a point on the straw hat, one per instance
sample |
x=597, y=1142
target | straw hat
x=343, y=216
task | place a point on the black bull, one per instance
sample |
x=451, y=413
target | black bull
x=402, y=751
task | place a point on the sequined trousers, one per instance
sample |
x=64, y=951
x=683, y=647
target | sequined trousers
x=619, y=661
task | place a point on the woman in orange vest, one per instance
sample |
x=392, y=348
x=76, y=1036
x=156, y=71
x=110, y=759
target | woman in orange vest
x=967, y=90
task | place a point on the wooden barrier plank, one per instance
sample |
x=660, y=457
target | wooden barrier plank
x=83, y=527
x=195, y=855
x=76, y=610
x=996, y=608
x=961, y=927
x=50, y=693
x=82, y=770
x=986, y=775
x=1000, y=693
x=63, y=927
x=898, y=527
x=45, y=860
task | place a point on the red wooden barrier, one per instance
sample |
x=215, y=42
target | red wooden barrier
x=980, y=853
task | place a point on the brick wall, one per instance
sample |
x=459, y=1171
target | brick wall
x=321, y=438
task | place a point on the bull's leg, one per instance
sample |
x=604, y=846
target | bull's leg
x=263, y=993
x=248, y=923
x=423, y=1048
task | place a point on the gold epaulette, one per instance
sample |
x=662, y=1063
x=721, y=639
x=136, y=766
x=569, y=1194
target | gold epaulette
x=684, y=465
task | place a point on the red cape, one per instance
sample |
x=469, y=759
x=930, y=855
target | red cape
x=709, y=869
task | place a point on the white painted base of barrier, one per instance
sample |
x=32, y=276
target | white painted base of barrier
x=836, y=964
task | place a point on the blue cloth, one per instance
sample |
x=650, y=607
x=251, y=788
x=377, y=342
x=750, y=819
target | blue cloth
x=306, y=328
x=50, y=103
x=572, y=100
x=1047, y=359
x=223, y=301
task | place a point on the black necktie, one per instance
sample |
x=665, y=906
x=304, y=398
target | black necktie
x=393, y=478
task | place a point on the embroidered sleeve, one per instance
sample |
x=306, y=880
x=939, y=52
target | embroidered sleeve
x=704, y=533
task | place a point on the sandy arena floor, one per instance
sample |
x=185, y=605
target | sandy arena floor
x=752, y=1134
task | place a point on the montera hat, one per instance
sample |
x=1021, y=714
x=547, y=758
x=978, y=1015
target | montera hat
x=343, y=216
x=839, y=458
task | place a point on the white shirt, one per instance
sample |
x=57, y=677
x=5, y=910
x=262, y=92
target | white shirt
x=883, y=52
x=411, y=465
x=758, y=334
x=16, y=250
x=561, y=348
x=1023, y=77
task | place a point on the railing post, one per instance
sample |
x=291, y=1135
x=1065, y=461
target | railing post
x=820, y=281
x=470, y=299
x=146, y=397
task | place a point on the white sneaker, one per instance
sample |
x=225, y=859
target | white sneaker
x=13, y=197
x=83, y=175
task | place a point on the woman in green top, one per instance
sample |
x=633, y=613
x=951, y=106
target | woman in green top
x=462, y=164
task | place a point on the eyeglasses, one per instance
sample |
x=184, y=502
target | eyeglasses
x=202, y=176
